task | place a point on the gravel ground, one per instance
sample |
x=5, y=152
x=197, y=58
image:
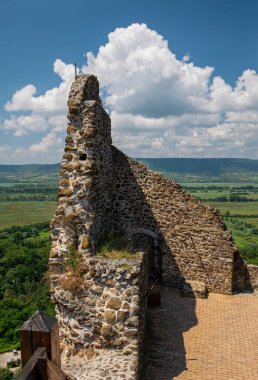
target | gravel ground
x=6, y=357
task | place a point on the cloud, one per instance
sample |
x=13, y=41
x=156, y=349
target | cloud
x=49, y=142
x=160, y=105
x=21, y=99
x=171, y=107
x=44, y=113
x=52, y=102
x=21, y=125
x=142, y=76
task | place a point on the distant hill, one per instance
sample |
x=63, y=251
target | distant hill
x=180, y=169
x=30, y=168
x=29, y=173
x=205, y=169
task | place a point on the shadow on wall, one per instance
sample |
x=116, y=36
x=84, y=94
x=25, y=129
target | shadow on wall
x=164, y=352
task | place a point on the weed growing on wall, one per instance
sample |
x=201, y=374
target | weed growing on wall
x=72, y=258
x=72, y=279
x=115, y=246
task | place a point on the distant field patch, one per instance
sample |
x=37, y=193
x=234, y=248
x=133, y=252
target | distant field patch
x=22, y=213
x=218, y=184
x=253, y=221
x=237, y=208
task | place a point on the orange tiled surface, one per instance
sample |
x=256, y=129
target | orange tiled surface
x=202, y=339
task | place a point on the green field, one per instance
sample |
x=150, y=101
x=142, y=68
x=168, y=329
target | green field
x=237, y=208
x=28, y=193
x=243, y=228
x=253, y=221
x=228, y=185
x=22, y=213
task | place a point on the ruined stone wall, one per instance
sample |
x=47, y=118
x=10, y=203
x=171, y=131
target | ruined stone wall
x=252, y=277
x=101, y=190
x=195, y=243
x=98, y=301
x=245, y=275
x=85, y=184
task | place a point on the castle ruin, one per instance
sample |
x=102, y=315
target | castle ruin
x=102, y=191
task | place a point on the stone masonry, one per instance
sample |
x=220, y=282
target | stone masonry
x=101, y=302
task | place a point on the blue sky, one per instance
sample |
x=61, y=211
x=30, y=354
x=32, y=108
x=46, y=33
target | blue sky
x=174, y=104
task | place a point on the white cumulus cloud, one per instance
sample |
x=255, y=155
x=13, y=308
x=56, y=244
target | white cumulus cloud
x=158, y=97
x=52, y=102
x=160, y=104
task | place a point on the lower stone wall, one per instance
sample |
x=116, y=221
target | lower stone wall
x=252, y=277
x=245, y=275
x=102, y=304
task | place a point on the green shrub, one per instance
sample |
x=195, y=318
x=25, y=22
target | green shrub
x=6, y=374
x=250, y=253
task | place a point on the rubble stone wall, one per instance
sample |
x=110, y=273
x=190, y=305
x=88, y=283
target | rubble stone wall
x=245, y=275
x=252, y=277
x=107, y=308
x=85, y=184
x=194, y=241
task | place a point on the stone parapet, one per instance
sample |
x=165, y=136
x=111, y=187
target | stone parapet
x=105, y=306
x=252, y=277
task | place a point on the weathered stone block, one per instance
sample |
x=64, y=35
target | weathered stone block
x=88, y=183
x=108, y=332
x=110, y=316
x=122, y=315
x=85, y=242
x=64, y=192
x=114, y=302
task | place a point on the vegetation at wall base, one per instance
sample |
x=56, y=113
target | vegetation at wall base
x=113, y=246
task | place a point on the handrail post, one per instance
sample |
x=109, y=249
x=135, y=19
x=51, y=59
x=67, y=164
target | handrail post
x=40, y=330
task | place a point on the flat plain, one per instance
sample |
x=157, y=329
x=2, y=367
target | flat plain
x=28, y=194
x=28, y=212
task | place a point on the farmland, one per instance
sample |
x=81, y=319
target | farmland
x=24, y=213
x=28, y=193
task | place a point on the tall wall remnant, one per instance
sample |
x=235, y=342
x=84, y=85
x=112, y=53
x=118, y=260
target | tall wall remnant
x=101, y=190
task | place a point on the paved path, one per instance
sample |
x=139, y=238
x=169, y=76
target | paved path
x=202, y=339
